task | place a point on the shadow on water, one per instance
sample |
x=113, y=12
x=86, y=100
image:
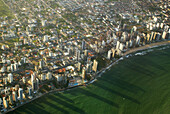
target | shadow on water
x=116, y=93
x=123, y=84
x=154, y=64
x=142, y=70
x=88, y=93
x=65, y=104
x=65, y=98
x=55, y=106
x=31, y=110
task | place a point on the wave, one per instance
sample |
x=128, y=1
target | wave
x=121, y=58
x=164, y=48
x=92, y=81
x=150, y=50
x=140, y=53
x=155, y=46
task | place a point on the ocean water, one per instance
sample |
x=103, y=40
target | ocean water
x=137, y=84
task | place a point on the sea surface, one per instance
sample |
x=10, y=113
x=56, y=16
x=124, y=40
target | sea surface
x=137, y=84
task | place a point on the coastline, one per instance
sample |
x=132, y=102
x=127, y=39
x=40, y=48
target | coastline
x=99, y=73
x=146, y=47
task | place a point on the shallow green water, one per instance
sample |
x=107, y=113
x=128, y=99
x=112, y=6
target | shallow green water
x=137, y=85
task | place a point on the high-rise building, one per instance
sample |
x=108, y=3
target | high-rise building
x=162, y=25
x=125, y=36
x=8, y=68
x=20, y=93
x=84, y=73
x=24, y=59
x=158, y=36
x=83, y=45
x=113, y=52
x=157, y=25
x=127, y=44
x=14, y=96
x=33, y=84
x=89, y=67
x=29, y=91
x=49, y=75
x=72, y=51
x=69, y=51
x=88, y=59
x=154, y=37
x=130, y=43
x=137, y=40
x=12, y=67
x=119, y=52
x=117, y=45
x=36, y=68
x=50, y=54
x=5, y=103
x=103, y=43
x=121, y=47
x=41, y=63
x=43, y=22
x=109, y=54
x=164, y=35
x=10, y=99
x=17, y=87
x=86, y=53
x=1, y=101
x=3, y=69
x=77, y=54
x=32, y=77
x=134, y=28
x=10, y=78
x=15, y=66
x=37, y=83
x=24, y=80
x=45, y=38
x=5, y=80
x=148, y=37
x=78, y=66
x=43, y=77
x=95, y=65
x=124, y=26
x=25, y=41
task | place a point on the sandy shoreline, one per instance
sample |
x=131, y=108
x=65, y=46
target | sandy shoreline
x=146, y=46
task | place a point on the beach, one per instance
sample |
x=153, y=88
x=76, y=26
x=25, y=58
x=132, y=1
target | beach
x=146, y=46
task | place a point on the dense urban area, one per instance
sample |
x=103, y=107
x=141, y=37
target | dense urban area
x=48, y=45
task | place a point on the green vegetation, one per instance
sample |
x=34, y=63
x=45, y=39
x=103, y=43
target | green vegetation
x=4, y=10
x=44, y=89
x=103, y=62
x=138, y=85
